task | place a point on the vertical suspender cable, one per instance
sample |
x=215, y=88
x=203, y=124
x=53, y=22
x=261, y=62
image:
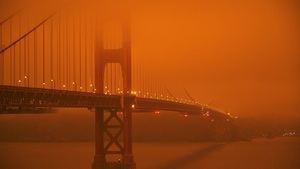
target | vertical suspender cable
x=58, y=54
x=10, y=56
x=80, y=52
x=111, y=78
x=74, y=63
x=1, y=58
x=35, y=59
x=67, y=53
x=28, y=61
x=93, y=39
x=25, y=61
x=139, y=79
x=14, y=62
x=115, y=45
x=85, y=55
x=145, y=83
x=149, y=85
x=142, y=83
x=1, y=55
x=20, y=51
x=106, y=77
x=44, y=55
x=133, y=73
x=113, y=75
x=62, y=56
x=28, y=58
x=51, y=55
x=10, y=52
x=14, y=65
x=116, y=82
x=92, y=55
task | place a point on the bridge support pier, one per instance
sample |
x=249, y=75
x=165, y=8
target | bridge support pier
x=113, y=143
x=128, y=160
x=99, y=158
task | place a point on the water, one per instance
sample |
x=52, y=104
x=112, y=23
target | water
x=279, y=153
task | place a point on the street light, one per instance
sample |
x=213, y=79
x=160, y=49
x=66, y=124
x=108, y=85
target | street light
x=26, y=79
x=19, y=82
x=132, y=106
x=52, y=83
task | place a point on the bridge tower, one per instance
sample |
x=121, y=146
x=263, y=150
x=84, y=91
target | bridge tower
x=108, y=142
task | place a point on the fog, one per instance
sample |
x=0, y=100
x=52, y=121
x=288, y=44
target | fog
x=240, y=56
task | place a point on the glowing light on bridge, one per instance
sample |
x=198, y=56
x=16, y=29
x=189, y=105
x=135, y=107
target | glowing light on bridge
x=132, y=106
x=207, y=114
x=133, y=92
x=157, y=113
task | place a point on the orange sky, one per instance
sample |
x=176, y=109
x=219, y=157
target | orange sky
x=243, y=56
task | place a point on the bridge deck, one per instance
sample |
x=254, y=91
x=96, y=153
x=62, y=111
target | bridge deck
x=38, y=97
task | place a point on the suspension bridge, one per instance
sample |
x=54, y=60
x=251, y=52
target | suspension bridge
x=74, y=57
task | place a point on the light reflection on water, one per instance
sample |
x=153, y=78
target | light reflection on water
x=259, y=154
